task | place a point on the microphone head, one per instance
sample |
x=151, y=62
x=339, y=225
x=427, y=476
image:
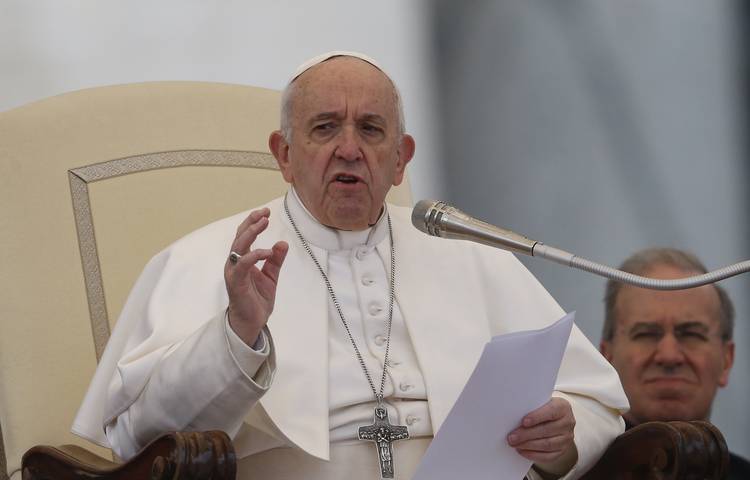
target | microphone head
x=421, y=214
x=438, y=219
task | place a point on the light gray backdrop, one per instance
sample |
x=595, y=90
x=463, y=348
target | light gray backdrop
x=597, y=126
x=602, y=127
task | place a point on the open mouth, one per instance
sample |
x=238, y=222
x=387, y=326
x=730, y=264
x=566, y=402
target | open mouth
x=344, y=178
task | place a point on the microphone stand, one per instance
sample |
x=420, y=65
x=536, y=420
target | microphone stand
x=439, y=219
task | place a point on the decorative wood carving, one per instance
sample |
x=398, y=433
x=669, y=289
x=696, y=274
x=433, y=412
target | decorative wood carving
x=173, y=456
x=651, y=451
x=665, y=451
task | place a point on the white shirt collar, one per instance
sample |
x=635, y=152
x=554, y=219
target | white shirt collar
x=333, y=239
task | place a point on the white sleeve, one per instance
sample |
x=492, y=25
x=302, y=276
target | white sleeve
x=585, y=378
x=206, y=382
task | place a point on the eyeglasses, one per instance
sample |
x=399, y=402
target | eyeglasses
x=688, y=335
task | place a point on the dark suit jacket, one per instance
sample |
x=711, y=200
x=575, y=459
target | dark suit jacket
x=739, y=468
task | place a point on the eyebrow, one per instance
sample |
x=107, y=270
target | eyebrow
x=644, y=326
x=691, y=326
x=324, y=116
x=651, y=326
x=366, y=117
x=374, y=117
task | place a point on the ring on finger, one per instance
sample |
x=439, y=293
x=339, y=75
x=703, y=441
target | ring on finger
x=234, y=257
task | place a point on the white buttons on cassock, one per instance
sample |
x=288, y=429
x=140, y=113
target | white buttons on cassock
x=375, y=308
x=365, y=306
x=361, y=253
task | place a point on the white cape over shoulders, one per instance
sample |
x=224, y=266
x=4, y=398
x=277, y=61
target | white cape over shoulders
x=454, y=297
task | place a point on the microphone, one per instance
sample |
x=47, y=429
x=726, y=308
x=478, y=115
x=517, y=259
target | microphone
x=439, y=219
x=442, y=220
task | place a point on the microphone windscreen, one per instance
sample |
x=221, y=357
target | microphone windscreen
x=419, y=215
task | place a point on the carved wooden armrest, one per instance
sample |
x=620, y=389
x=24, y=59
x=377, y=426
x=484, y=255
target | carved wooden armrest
x=665, y=451
x=173, y=456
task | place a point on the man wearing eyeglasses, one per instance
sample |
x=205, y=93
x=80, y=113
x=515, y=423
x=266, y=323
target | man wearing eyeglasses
x=673, y=350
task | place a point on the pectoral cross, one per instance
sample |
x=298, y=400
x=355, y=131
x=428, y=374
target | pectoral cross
x=383, y=434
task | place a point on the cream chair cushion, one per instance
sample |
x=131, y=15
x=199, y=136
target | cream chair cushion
x=92, y=184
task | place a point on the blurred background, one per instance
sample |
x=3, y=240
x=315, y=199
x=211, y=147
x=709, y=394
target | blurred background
x=597, y=126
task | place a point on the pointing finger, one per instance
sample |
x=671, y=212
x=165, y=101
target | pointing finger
x=253, y=217
x=245, y=239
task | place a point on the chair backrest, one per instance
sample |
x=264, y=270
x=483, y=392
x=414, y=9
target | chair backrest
x=89, y=191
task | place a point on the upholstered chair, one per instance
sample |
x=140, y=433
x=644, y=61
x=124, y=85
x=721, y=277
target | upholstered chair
x=95, y=182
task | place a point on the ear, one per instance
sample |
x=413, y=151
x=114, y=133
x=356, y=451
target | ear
x=728, y=361
x=405, y=153
x=605, y=347
x=280, y=149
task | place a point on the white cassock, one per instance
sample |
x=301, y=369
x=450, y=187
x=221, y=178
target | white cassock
x=172, y=362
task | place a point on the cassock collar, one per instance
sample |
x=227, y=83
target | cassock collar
x=332, y=239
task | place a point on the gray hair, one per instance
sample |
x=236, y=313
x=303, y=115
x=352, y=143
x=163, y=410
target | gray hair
x=287, y=97
x=641, y=262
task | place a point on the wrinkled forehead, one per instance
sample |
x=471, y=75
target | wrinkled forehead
x=668, y=308
x=343, y=82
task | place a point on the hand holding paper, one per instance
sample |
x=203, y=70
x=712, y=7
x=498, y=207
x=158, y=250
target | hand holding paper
x=546, y=436
x=515, y=375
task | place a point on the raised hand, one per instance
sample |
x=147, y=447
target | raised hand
x=252, y=290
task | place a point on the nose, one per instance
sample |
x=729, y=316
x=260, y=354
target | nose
x=669, y=352
x=348, y=147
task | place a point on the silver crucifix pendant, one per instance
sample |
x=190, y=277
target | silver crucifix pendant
x=383, y=434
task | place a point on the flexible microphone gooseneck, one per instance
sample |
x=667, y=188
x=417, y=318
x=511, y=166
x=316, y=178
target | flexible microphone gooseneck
x=439, y=219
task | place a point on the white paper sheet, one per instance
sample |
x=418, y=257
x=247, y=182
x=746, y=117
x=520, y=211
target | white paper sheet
x=515, y=374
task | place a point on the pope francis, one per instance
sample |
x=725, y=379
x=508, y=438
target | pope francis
x=322, y=332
